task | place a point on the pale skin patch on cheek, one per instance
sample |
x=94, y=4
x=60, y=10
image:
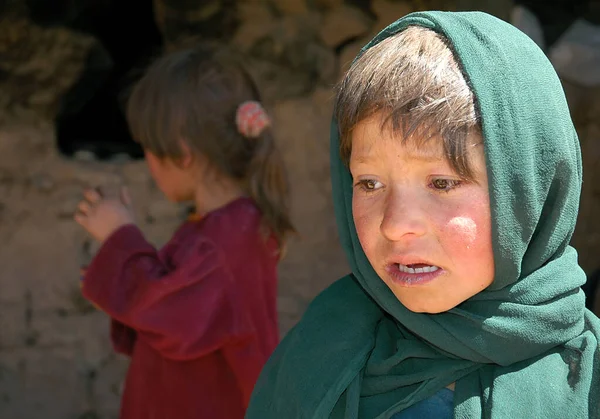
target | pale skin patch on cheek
x=464, y=229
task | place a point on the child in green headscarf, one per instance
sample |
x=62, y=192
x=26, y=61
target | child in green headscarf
x=456, y=177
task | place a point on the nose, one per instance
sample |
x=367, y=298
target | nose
x=404, y=216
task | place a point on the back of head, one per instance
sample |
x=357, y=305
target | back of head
x=192, y=96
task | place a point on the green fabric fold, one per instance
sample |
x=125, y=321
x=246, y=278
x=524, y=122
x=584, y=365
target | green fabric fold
x=524, y=348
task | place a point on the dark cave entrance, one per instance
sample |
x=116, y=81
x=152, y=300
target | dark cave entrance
x=92, y=113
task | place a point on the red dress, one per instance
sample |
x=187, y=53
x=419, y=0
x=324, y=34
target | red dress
x=198, y=317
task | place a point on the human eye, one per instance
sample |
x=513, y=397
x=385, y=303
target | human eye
x=444, y=184
x=368, y=185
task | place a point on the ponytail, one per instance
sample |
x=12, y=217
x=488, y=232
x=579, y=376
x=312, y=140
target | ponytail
x=205, y=96
x=268, y=187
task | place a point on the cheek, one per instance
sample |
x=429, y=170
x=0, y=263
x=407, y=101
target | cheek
x=365, y=222
x=152, y=166
x=462, y=231
x=468, y=240
x=468, y=224
x=159, y=175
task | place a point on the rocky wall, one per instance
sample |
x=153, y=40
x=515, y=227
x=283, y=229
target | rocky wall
x=55, y=357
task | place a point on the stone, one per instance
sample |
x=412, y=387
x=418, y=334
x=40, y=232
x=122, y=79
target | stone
x=107, y=387
x=288, y=305
x=120, y=158
x=39, y=64
x=290, y=7
x=136, y=172
x=576, y=55
x=257, y=21
x=42, y=383
x=305, y=149
x=594, y=109
x=29, y=139
x=578, y=98
x=14, y=325
x=182, y=21
x=291, y=60
x=587, y=232
x=162, y=209
x=348, y=54
x=499, y=8
x=524, y=19
x=342, y=24
x=254, y=10
x=328, y=4
x=43, y=182
x=388, y=12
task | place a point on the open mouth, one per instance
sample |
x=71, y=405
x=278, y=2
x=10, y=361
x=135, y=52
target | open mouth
x=414, y=274
x=417, y=268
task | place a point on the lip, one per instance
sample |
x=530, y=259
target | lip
x=405, y=279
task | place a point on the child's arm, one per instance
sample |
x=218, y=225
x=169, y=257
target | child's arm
x=183, y=313
x=121, y=336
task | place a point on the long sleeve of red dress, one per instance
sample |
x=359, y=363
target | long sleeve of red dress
x=205, y=301
x=138, y=290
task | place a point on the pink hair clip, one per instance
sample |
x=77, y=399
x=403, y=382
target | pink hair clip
x=251, y=119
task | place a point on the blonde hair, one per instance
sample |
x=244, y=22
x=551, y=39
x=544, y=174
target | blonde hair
x=413, y=78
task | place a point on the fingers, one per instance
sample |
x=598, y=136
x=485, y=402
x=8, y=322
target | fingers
x=95, y=199
x=92, y=195
x=125, y=197
x=80, y=218
x=84, y=207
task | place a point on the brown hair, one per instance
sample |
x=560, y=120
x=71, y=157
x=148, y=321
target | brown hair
x=192, y=95
x=414, y=79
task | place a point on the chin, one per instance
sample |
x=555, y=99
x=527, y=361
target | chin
x=425, y=307
x=426, y=310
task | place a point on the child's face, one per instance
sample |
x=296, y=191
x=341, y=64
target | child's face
x=173, y=181
x=426, y=232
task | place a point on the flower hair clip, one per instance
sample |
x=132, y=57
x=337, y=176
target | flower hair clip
x=251, y=119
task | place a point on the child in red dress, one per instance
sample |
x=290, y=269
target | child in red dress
x=197, y=317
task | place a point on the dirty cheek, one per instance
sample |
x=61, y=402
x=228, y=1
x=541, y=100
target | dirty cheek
x=365, y=222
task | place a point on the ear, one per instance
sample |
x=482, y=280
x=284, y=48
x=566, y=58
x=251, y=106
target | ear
x=187, y=159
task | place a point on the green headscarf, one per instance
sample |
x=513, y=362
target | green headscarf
x=525, y=347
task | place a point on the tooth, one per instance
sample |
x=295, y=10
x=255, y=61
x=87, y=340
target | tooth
x=408, y=270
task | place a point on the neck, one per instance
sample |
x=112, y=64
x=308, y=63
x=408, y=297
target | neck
x=212, y=195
